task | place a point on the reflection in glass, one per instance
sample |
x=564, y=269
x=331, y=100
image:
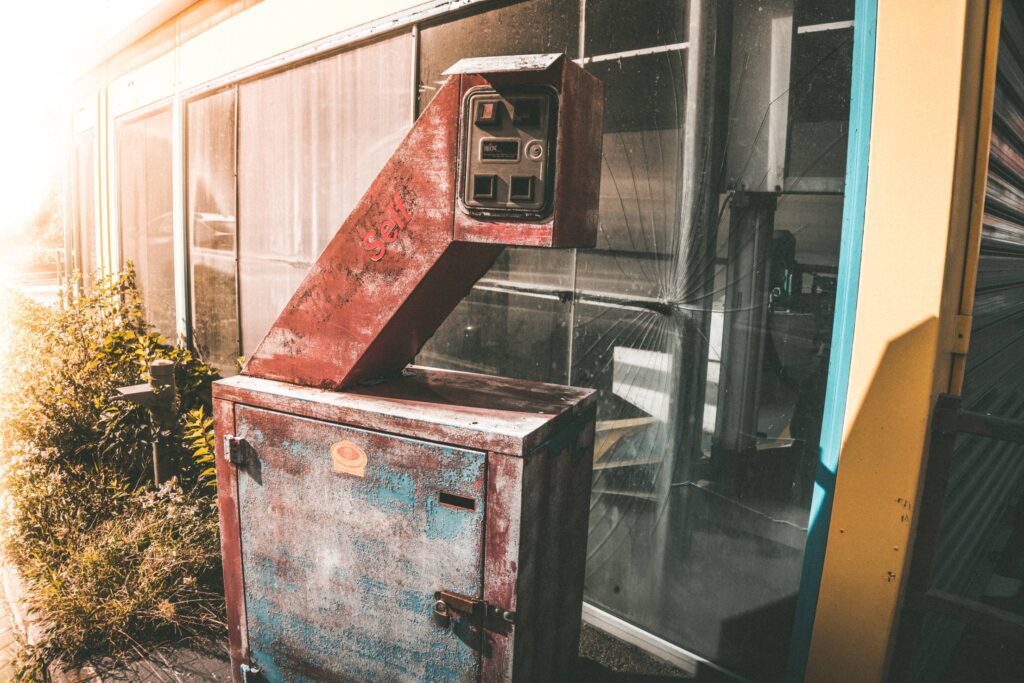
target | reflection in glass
x=144, y=193
x=212, y=227
x=704, y=315
x=476, y=336
x=647, y=24
x=310, y=141
x=85, y=204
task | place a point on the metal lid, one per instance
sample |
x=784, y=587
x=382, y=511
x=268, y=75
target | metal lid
x=504, y=64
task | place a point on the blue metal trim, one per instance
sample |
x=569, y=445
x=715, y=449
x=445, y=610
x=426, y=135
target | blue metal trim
x=851, y=242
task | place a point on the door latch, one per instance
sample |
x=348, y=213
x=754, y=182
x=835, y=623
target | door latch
x=445, y=602
x=234, y=449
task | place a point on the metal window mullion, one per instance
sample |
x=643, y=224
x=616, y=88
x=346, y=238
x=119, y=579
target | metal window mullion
x=179, y=232
x=235, y=126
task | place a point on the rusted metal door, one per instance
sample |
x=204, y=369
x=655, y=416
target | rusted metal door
x=345, y=536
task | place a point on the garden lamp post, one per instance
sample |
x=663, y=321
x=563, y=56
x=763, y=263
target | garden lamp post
x=158, y=396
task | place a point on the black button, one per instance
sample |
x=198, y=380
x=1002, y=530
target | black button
x=485, y=186
x=526, y=112
x=521, y=188
x=488, y=113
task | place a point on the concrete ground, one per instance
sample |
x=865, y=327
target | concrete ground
x=10, y=642
x=603, y=658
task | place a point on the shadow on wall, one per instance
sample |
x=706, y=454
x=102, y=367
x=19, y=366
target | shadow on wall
x=876, y=490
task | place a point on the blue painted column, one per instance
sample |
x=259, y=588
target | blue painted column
x=865, y=20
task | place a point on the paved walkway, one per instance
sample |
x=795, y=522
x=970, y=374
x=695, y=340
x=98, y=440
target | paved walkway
x=9, y=641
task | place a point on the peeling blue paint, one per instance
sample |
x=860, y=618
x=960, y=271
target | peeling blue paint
x=340, y=570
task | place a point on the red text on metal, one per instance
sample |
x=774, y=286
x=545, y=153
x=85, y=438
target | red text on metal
x=378, y=238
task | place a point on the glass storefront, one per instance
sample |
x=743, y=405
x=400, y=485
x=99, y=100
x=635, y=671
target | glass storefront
x=703, y=317
x=144, y=193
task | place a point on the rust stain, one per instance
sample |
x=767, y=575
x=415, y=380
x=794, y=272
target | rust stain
x=479, y=485
x=404, y=257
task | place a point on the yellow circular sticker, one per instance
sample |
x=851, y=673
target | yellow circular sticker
x=348, y=458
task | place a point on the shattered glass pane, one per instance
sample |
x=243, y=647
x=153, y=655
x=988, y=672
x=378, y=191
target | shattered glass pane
x=703, y=317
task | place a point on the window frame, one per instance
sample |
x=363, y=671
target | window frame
x=411, y=22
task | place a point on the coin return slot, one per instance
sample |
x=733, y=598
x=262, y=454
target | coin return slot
x=455, y=501
x=485, y=186
x=526, y=113
x=521, y=188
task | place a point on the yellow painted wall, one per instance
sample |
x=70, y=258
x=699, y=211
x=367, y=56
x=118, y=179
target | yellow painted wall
x=920, y=173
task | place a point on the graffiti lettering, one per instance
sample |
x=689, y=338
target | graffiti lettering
x=377, y=239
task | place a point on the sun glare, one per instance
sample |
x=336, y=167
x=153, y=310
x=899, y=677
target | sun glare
x=45, y=47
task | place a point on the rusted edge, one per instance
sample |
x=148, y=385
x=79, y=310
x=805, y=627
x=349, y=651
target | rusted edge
x=503, y=64
x=501, y=560
x=230, y=540
x=374, y=413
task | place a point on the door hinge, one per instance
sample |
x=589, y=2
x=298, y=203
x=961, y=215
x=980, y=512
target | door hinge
x=234, y=449
x=446, y=602
x=961, y=334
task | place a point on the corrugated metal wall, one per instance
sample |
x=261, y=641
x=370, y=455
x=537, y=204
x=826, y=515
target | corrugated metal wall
x=981, y=517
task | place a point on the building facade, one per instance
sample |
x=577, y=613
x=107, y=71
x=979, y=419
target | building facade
x=792, y=202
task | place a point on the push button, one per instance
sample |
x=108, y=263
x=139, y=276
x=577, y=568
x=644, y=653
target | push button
x=485, y=186
x=526, y=113
x=521, y=188
x=488, y=114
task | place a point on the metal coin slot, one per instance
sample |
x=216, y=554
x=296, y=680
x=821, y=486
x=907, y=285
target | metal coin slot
x=455, y=501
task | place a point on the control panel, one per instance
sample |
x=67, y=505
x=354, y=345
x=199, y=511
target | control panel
x=508, y=141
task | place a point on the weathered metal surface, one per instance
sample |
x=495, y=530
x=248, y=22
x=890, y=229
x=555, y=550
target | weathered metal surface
x=341, y=567
x=404, y=258
x=503, y=64
x=342, y=530
x=577, y=168
x=322, y=528
x=397, y=233
x=475, y=411
x=501, y=558
x=552, y=554
x=230, y=539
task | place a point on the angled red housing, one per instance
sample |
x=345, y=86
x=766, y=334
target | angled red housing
x=409, y=251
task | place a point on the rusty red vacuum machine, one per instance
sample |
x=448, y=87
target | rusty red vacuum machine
x=381, y=521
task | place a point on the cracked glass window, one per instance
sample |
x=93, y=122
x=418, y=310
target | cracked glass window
x=703, y=316
x=144, y=192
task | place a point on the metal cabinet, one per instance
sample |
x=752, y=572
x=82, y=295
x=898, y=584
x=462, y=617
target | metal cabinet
x=431, y=527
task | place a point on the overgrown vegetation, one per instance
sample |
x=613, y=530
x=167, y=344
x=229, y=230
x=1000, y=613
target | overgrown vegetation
x=114, y=565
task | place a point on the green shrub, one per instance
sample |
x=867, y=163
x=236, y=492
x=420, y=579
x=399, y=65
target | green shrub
x=113, y=565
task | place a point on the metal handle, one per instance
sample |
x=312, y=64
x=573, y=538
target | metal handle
x=442, y=617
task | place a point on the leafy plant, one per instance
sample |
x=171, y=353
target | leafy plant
x=199, y=432
x=112, y=564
